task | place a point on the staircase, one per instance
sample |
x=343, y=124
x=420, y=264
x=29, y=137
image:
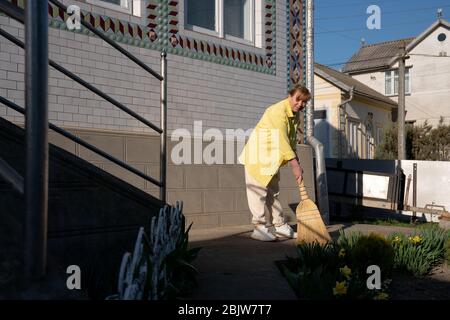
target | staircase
x=93, y=217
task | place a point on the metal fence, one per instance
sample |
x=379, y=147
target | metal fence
x=34, y=186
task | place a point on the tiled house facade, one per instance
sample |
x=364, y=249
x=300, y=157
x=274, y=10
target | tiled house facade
x=225, y=82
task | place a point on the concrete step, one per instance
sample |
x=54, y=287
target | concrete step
x=93, y=216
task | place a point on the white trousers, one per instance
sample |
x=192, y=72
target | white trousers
x=259, y=196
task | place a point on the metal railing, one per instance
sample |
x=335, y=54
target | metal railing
x=35, y=185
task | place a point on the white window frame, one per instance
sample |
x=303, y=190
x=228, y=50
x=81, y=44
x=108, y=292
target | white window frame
x=379, y=134
x=394, y=79
x=219, y=30
x=131, y=7
x=370, y=140
x=354, y=137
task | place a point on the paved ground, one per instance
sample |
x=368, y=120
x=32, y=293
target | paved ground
x=234, y=266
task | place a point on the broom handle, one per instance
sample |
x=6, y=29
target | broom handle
x=303, y=193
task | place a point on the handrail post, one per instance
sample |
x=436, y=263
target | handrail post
x=163, y=151
x=36, y=122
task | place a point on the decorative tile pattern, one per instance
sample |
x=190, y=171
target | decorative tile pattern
x=163, y=17
x=162, y=33
x=297, y=41
x=296, y=59
x=118, y=30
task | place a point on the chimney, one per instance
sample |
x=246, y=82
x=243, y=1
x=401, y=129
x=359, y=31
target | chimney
x=363, y=42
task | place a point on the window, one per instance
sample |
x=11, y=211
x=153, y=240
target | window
x=370, y=145
x=118, y=2
x=353, y=136
x=442, y=37
x=201, y=13
x=230, y=19
x=391, y=82
x=237, y=18
x=126, y=6
x=379, y=135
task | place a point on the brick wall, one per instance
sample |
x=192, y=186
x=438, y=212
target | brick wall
x=213, y=195
x=219, y=95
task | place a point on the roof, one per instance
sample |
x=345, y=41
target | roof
x=383, y=55
x=346, y=82
x=375, y=56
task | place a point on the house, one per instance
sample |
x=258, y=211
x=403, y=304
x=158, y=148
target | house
x=427, y=72
x=349, y=116
x=226, y=63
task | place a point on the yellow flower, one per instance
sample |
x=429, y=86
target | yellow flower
x=340, y=288
x=415, y=239
x=397, y=239
x=342, y=253
x=381, y=296
x=346, y=271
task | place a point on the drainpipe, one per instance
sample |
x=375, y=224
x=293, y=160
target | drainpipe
x=321, y=176
x=309, y=116
x=341, y=106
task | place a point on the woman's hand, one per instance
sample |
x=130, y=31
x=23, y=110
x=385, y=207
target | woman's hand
x=296, y=170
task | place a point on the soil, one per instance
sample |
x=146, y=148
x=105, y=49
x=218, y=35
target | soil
x=435, y=286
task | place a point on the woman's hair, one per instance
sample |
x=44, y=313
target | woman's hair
x=304, y=92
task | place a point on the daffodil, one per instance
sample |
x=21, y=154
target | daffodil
x=415, y=239
x=346, y=271
x=381, y=296
x=342, y=253
x=397, y=239
x=340, y=288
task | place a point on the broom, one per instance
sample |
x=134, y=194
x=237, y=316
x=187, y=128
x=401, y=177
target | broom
x=310, y=226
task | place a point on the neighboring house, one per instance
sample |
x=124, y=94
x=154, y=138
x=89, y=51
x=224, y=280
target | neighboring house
x=227, y=61
x=349, y=126
x=427, y=72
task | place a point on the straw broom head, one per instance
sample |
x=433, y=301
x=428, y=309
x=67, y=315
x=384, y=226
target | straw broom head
x=310, y=226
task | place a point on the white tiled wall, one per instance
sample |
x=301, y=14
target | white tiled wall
x=221, y=96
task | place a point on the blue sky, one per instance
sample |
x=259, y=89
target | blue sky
x=399, y=19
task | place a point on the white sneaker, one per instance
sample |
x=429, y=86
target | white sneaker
x=285, y=231
x=262, y=233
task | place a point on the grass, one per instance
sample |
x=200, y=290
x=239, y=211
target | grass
x=381, y=222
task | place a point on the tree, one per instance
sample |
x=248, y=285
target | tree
x=423, y=142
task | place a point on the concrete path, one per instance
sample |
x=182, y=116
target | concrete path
x=233, y=266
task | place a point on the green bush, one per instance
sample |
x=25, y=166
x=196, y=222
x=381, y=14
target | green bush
x=447, y=251
x=420, y=252
x=373, y=249
x=423, y=142
x=311, y=283
x=312, y=256
x=180, y=271
x=348, y=241
x=337, y=270
x=313, y=273
x=324, y=272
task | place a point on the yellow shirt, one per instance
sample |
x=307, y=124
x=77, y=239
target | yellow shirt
x=272, y=142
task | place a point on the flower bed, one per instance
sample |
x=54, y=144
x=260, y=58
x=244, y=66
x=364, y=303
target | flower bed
x=339, y=270
x=160, y=267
